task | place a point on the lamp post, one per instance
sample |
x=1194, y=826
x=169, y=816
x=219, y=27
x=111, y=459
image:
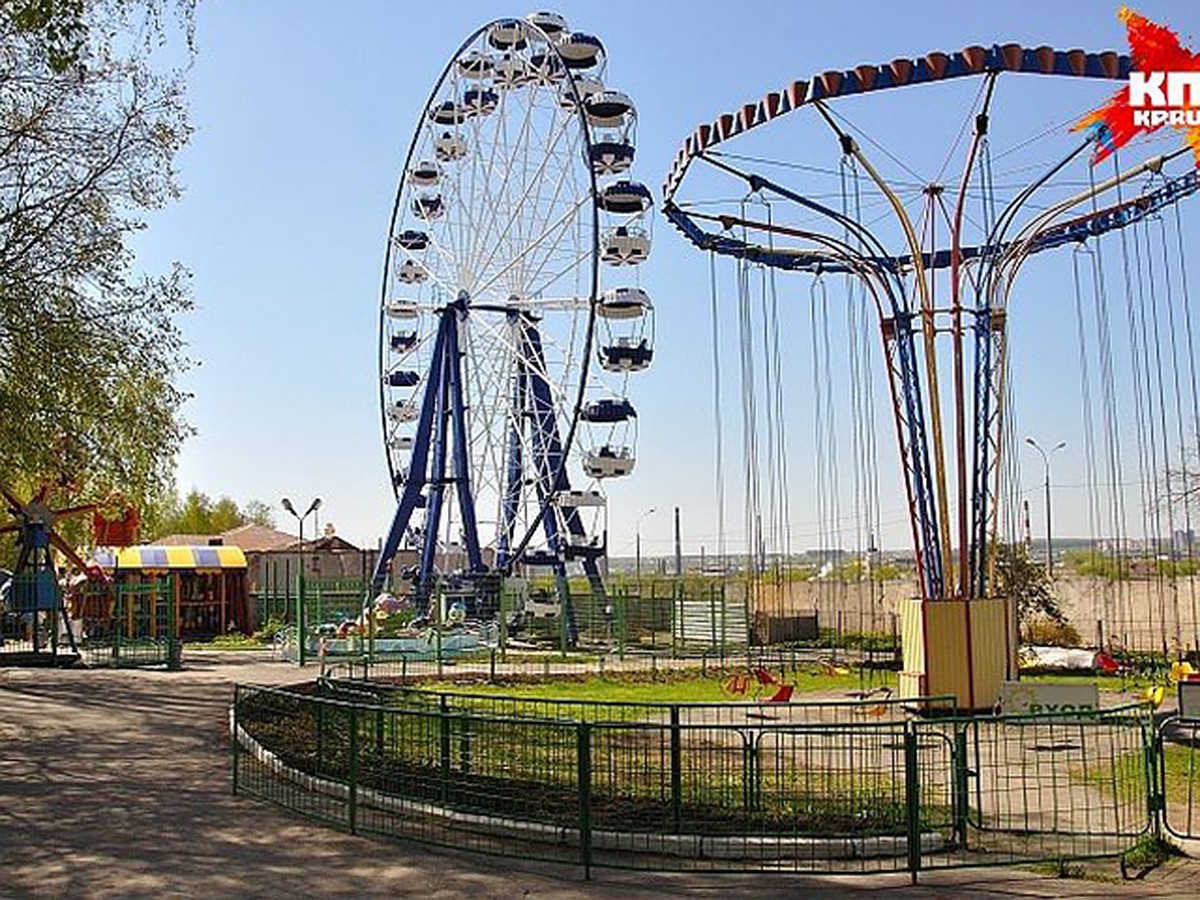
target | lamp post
x=300, y=625
x=1046, y=464
x=312, y=508
x=637, y=531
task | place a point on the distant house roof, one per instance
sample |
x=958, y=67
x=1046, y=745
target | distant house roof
x=332, y=543
x=251, y=538
x=257, y=538
x=184, y=540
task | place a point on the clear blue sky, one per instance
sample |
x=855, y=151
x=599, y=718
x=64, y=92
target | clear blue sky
x=303, y=113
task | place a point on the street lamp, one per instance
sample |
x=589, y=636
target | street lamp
x=637, y=531
x=1046, y=463
x=301, y=611
x=312, y=508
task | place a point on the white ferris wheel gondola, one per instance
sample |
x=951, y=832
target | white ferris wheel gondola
x=478, y=65
x=626, y=245
x=508, y=34
x=608, y=109
x=403, y=308
x=581, y=51
x=627, y=198
x=584, y=86
x=411, y=272
x=551, y=24
x=449, y=147
x=426, y=173
x=624, y=303
x=609, y=461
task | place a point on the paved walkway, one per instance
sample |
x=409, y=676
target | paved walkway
x=115, y=784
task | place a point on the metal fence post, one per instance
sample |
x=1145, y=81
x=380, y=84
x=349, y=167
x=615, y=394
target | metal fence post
x=912, y=800
x=676, y=772
x=584, y=775
x=1155, y=776
x=749, y=770
x=464, y=746
x=444, y=748
x=233, y=736
x=353, y=769
x=379, y=734
x=118, y=621
x=961, y=790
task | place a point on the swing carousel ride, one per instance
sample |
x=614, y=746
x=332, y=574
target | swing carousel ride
x=892, y=211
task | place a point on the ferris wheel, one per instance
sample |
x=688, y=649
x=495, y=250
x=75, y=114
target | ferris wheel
x=511, y=318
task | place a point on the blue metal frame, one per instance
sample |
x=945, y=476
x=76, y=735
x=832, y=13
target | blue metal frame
x=442, y=435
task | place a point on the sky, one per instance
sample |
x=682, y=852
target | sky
x=303, y=112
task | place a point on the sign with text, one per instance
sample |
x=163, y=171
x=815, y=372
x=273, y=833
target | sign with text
x=1026, y=698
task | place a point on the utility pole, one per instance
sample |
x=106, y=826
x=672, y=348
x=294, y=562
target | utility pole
x=1049, y=536
x=678, y=550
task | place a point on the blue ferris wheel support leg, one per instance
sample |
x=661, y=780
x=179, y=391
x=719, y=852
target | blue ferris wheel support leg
x=552, y=480
x=462, y=469
x=416, y=477
x=514, y=467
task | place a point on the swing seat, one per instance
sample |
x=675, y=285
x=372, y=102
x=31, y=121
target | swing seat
x=765, y=678
x=783, y=695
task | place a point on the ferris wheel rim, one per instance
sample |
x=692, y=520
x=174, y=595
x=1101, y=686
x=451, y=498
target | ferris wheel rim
x=570, y=77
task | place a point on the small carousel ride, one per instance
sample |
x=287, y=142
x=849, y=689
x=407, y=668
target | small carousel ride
x=33, y=616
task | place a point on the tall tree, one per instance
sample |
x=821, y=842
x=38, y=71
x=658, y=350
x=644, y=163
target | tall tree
x=198, y=513
x=89, y=347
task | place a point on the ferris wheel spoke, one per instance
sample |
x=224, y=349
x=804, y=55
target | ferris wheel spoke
x=530, y=247
x=484, y=237
x=532, y=183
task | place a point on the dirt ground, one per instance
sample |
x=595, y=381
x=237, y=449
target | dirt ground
x=116, y=784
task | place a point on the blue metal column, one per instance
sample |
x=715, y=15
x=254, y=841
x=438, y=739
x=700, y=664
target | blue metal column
x=415, y=480
x=462, y=468
x=514, y=462
x=551, y=474
x=437, y=473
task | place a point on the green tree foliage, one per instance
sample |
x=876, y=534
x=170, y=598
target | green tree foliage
x=258, y=513
x=198, y=513
x=1094, y=564
x=1020, y=576
x=89, y=346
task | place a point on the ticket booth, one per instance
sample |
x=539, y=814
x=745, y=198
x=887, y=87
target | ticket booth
x=207, y=584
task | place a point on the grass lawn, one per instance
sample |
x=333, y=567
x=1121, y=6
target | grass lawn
x=1126, y=776
x=668, y=687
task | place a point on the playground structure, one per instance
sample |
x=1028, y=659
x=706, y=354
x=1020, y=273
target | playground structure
x=934, y=261
x=510, y=317
x=205, y=587
x=36, y=629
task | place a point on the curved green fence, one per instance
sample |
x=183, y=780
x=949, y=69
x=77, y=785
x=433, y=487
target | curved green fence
x=801, y=787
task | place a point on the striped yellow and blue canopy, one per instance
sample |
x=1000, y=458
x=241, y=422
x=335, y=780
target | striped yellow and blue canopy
x=151, y=557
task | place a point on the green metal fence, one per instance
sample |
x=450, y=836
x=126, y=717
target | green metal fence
x=128, y=624
x=805, y=787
